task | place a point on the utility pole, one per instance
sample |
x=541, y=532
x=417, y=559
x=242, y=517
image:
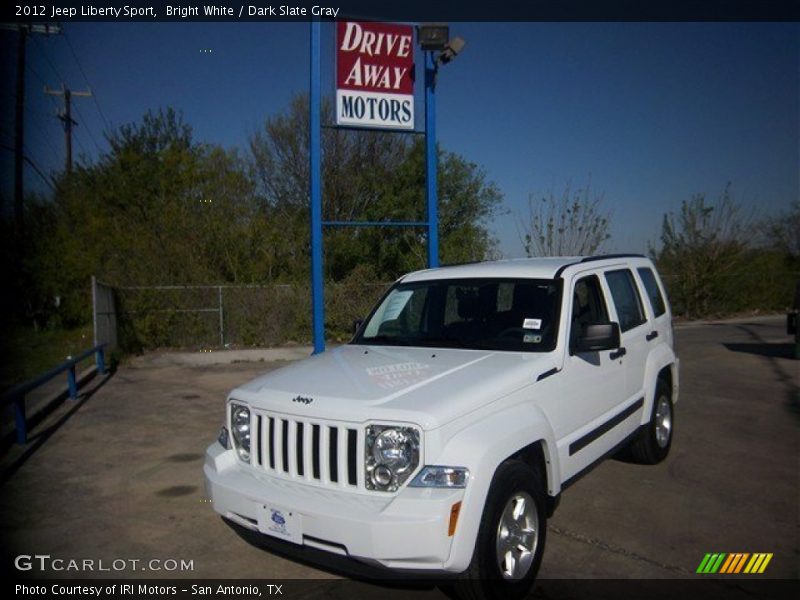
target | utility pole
x=19, y=132
x=66, y=117
x=23, y=30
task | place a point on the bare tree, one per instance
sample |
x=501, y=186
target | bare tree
x=782, y=232
x=703, y=249
x=574, y=224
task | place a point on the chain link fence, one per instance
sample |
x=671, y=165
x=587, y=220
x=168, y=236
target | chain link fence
x=230, y=316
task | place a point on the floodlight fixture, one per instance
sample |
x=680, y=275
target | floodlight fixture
x=433, y=37
x=453, y=48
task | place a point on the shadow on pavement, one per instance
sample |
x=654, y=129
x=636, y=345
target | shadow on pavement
x=772, y=353
x=762, y=349
x=37, y=439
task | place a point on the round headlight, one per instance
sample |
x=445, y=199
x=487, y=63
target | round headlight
x=393, y=448
x=240, y=430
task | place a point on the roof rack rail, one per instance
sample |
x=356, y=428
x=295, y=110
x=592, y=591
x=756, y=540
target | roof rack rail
x=586, y=259
x=605, y=256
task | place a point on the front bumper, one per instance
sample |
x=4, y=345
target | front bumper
x=407, y=531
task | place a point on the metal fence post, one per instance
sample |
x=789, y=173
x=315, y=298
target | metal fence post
x=72, y=382
x=94, y=309
x=20, y=421
x=315, y=190
x=431, y=161
x=221, y=320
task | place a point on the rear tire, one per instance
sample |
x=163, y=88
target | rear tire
x=511, y=537
x=653, y=444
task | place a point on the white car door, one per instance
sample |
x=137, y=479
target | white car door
x=635, y=332
x=592, y=385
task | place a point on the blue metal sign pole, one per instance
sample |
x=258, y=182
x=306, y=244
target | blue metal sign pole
x=315, y=191
x=431, y=161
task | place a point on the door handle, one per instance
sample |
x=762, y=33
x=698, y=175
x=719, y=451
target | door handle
x=618, y=354
x=651, y=336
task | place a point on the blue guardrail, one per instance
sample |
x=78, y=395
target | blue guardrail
x=16, y=395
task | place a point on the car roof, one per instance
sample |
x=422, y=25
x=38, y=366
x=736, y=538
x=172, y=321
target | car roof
x=528, y=268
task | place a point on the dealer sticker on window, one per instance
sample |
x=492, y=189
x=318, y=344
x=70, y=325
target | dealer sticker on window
x=281, y=523
x=532, y=324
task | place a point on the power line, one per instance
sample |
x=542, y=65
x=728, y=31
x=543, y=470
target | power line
x=81, y=147
x=66, y=118
x=44, y=85
x=88, y=130
x=40, y=174
x=94, y=96
x=36, y=74
x=47, y=140
x=33, y=165
x=23, y=32
x=55, y=105
x=48, y=61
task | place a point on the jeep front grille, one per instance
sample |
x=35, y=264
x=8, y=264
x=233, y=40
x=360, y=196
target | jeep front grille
x=317, y=452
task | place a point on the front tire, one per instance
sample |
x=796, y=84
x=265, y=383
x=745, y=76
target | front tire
x=511, y=537
x=654, y=443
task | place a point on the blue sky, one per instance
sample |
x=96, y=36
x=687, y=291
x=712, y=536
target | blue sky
x=649, y=113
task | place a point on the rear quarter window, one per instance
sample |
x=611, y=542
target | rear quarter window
x=653, y=291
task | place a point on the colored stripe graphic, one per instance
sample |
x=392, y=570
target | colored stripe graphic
x=741, y=562
x=734, y=563
x=711, y=562
x=703, y=563
x=727, y=564
x=758, y=563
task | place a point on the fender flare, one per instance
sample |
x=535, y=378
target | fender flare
x=660, y=358
x=510, y=430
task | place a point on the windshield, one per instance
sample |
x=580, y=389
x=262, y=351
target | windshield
x=486, y=314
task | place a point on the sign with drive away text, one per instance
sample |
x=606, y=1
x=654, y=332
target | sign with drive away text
x=374, y=75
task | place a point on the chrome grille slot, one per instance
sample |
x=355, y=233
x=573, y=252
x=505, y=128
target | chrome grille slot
x=324, y=454
x=315, y=450
x=285, y=444
x=301, y=467
x=260, y=447
x=352, y=451
x=271, y=443
x=333, y=448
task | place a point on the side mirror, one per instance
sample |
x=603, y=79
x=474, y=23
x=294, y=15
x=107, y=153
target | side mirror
x=595, y=337
x=357, y=325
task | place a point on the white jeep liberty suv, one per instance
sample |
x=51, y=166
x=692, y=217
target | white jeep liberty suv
x=440, y=438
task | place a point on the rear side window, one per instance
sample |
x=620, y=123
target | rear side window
x=626, y=298
x=653, y=291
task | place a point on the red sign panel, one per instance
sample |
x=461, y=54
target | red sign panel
x=375, y=74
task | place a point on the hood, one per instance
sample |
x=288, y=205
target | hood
x=424, y=386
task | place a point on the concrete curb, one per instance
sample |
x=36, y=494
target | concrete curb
x=222, y=357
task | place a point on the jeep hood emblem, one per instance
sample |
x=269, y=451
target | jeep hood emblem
x=302, y=399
